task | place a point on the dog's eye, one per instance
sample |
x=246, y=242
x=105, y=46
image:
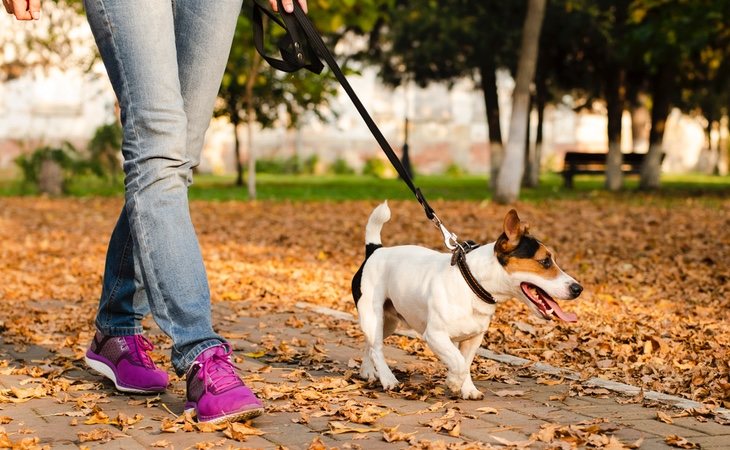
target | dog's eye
x=547, y=262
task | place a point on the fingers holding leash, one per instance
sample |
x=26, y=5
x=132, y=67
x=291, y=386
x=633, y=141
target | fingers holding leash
x=288, y=5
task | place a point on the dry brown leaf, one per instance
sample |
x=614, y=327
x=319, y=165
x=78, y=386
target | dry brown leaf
x=449, y=423
x=99, y=434
x=337, y=427
x=317, y=444
x=513, y=444
x=5, y=419
x=680, y=442
x=509, y=393
x=487, y=410
x=393, y=435
x=663, y=417
x=160, y=444
x=241, y=431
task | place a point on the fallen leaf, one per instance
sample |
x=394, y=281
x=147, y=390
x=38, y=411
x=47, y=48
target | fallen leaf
x=393, y=435
x=241, y=431
x=99, y=434
x=663, y=417
x=680, y=442
x=487, y=410
x=337, y=427
x=509, y=393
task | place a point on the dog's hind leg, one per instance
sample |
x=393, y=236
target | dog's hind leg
x=370, y=308
x=468, y=349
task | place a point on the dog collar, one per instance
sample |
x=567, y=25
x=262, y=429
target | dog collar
x=459, y=260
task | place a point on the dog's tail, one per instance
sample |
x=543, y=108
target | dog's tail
x=378, y=217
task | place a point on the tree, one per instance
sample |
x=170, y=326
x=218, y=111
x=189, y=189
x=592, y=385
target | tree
x=446, y=40
x=510, y=174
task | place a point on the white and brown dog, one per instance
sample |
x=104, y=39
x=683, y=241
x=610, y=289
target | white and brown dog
x=422, y=288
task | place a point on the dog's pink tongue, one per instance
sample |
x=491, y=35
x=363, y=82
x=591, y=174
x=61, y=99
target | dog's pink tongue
x=565, y=316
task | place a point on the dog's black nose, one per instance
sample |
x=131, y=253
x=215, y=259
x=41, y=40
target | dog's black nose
x=576, y=289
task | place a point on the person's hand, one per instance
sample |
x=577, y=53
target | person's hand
x=23, y=9
x=288, y=5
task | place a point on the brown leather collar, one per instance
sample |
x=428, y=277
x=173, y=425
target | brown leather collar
x=459, y=259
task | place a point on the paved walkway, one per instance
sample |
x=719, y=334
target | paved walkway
x=304, y=364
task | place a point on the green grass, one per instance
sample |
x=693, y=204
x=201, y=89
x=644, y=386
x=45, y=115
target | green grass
x=353, y=187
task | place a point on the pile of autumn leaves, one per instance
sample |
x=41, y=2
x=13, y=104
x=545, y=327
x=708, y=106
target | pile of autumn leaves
x=656, y=274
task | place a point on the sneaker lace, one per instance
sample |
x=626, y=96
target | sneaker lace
x=142, y=346
x=219, y=370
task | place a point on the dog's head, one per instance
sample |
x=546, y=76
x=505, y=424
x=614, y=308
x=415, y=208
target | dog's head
x=534, y=275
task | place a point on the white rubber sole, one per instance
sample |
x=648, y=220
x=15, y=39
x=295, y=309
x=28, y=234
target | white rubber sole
x=235, y=417
x=106, y=371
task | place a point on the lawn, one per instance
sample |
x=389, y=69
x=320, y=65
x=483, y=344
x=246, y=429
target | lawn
x=434, y=187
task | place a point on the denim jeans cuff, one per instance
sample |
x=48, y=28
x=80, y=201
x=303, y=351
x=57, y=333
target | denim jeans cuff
x=119, y=331
x=183, y=364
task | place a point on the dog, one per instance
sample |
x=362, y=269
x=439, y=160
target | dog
x=422, y=288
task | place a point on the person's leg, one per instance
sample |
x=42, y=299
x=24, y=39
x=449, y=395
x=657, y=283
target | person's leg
x=123, y=302
x=204, y=32
x=137, y=42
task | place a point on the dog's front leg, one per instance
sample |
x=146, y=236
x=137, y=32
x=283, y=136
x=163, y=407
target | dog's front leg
x=440, y=342
x=468, y=350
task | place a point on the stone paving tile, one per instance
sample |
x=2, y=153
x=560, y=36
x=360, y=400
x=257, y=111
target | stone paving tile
x=662, y=429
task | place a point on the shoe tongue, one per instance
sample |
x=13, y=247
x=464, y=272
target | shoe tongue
x=210, y=352
x=565, y=316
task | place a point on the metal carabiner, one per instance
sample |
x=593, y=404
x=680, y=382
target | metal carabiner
x=450, y=239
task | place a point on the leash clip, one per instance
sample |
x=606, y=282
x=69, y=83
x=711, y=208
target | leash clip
x=450, y=239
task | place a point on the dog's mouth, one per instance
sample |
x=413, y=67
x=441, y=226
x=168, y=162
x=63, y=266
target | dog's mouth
x=545, y=304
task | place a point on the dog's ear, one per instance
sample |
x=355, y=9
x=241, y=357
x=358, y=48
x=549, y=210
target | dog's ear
x=514, y=229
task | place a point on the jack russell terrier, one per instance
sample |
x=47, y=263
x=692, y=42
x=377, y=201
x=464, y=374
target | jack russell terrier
x=424, y=289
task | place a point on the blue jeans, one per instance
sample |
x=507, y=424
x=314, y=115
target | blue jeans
x=165, y=60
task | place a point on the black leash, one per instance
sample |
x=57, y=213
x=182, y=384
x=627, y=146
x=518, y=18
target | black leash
x=301, y=48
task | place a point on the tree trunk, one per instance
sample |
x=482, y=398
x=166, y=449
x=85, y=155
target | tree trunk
x=615, y=103
x=488, y=77
x=529, y=151
x=251, y=157
x=235, y=121
x=660, y=94
x=51, y=178
x=534, y=178
x=510, y=174
x=250, y=118
x=722, y=148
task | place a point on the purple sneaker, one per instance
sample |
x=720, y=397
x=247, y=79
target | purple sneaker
x=216, y=392
x=124, y=360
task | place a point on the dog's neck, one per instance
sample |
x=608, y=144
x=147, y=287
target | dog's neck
x=489, y=272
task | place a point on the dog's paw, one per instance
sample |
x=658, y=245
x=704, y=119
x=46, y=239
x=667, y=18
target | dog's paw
x=368, y=373
x=474, y=394
x=389, y=382
x=455, y=383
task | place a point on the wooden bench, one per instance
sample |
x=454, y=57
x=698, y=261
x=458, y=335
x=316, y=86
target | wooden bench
x=595, y=163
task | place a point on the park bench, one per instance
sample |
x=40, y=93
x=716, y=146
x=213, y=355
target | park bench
x=595, y=163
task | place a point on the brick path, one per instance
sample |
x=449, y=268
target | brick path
x=303, y=407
